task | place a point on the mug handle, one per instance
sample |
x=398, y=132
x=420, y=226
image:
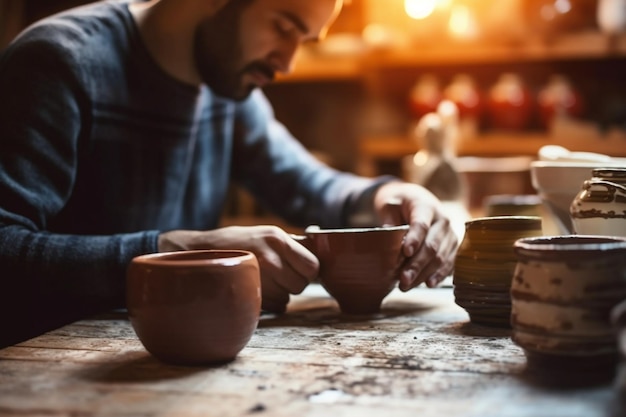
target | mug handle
x=607, y=184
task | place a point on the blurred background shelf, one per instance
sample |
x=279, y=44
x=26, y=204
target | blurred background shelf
x=382, y=154
x=590, y=45
x=313, y=69
x=347, y=99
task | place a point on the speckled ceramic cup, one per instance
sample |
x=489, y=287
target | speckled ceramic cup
x=359, y=267
x=194, y=307
x=618, y=318
x=563, y=291
x=484, y=265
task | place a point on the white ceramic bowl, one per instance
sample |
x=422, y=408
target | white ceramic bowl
x=558, y=182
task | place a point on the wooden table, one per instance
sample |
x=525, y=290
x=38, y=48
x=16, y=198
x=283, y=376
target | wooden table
x=419, y=357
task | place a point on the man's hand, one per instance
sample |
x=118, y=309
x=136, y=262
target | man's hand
x=286, y=266
x=430, y=244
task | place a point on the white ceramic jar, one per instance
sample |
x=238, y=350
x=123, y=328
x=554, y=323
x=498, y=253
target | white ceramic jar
x=600, y=206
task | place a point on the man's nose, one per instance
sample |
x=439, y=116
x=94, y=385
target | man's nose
x=283, y=59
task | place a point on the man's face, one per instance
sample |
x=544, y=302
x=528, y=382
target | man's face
x=245, y=43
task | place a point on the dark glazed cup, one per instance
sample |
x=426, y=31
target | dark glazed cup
x=194, y=307
x=359, y=267
x=484, y=266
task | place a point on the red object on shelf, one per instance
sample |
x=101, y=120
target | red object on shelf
x=559, y=98
x=510, y=103
x=463, y=92
x=425, y=96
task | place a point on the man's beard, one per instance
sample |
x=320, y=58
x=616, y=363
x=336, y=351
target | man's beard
x=215, y=62
x=226, y=81
x=217, y=54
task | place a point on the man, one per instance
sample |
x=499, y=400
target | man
x=121, y=128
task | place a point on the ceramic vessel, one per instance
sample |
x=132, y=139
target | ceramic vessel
x=359, y=267
x=484, y=266
x=618, y=319
x=463, y=92
x=600, y=206
x=434, y=165
x=486, y=176
x=559, y=98
x=513, y=205
x=425, y=96
x=194, y=307
x=563, y=291
x=558, y=182
x=510, y=103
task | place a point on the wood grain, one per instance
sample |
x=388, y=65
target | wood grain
x=418, y=357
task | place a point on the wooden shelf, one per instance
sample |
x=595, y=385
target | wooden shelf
x=579, y=46
x=493, y=145
x=324, y=68
x=589, y=45
x=376, y=149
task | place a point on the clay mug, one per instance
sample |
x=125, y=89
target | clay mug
x=512, y=205
x=484, y=265
x=600, y=206
x=359, y=267
x=563, y=292
x=194, y=307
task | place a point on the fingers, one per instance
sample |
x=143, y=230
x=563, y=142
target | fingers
x=287, y=267
x=430, y=244
x=289, y=264
x=274, y=299
x=300, y=261
x=434, y=258
x=391, y=213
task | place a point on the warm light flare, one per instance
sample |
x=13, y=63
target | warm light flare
x=462, y=23
x=419, y=9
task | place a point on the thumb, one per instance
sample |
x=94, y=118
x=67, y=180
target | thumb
x=391, y=213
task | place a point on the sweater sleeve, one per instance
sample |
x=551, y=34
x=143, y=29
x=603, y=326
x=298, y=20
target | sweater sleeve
x=49, y=278
x=286, y=178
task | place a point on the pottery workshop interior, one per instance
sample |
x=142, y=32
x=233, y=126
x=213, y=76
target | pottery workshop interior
x=504, y=296
x=523, y=74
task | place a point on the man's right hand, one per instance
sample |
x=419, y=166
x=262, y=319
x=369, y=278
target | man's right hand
x=286, y=266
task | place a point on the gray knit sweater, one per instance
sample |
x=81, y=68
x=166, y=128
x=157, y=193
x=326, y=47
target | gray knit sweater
x=100, y=151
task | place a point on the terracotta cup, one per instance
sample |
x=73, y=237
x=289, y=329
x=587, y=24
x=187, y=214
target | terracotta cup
x=484, y=265
x=194, y=307
x=563, y=292
x=359, y=267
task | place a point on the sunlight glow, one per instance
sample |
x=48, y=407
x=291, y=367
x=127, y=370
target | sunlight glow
x=419, y=9
x=462, y=23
